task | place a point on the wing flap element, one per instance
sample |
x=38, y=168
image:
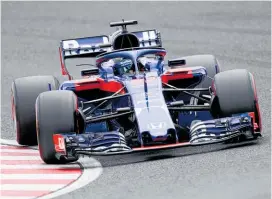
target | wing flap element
x=87, y=45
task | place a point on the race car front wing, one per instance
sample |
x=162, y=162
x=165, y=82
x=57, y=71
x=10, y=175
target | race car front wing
x=109, y=143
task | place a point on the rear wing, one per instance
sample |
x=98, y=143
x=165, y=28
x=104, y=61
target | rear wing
x=93, y=46
x=84, y=46
x=149, y=38
x=78, y=47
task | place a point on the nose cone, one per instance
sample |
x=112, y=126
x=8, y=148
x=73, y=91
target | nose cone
x=150, y=108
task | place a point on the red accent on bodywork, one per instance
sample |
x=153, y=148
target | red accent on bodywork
x=86, y=84
x=255, y=125
x=161, y=53
x=59, y=144
x=259, y=122
x=98, y=83
x=98, y=61
x=63, y=69
x=162, y=146
x=110, y=86
x=178, y=73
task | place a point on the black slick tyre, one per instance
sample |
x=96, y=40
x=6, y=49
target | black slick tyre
x=24, y=92
x=233, y=93
x=209, y=62
x=55, y=113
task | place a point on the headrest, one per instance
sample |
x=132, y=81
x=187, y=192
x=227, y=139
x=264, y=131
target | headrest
x=126, y=40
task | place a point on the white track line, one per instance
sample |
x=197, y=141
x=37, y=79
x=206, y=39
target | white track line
x=39, y=176
x=31, y=187
x=16, y=197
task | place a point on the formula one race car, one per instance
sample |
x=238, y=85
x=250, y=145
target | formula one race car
x=130, y=100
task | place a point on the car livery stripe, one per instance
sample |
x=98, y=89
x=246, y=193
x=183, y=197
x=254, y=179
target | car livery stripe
x=165, y=146
x=177, y=75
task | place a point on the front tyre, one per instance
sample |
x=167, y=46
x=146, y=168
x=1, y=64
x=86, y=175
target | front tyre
x=55, y=113
x=234, y=92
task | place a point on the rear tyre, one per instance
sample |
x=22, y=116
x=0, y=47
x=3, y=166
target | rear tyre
x=233, y=93
x=209, y=62
x=24, y=92
x=55, y=113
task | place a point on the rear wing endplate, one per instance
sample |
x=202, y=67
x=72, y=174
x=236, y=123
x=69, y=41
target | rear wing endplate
x=149, y=38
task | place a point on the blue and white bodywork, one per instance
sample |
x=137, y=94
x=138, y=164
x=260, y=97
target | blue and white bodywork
x=136, y=102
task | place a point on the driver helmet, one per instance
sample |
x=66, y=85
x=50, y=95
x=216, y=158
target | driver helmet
x=123, y=66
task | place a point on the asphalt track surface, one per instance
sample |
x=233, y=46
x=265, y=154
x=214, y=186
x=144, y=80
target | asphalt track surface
x=238, y=33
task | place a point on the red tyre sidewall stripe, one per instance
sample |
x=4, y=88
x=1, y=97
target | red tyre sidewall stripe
x=12, y=107
x=14, y=117
x=213, y=88
x=37, y=125
x=256, y=101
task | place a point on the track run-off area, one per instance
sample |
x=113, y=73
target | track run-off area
x=23, y=175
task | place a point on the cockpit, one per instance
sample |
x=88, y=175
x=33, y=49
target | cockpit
x=131, y=63
x=120, y=66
